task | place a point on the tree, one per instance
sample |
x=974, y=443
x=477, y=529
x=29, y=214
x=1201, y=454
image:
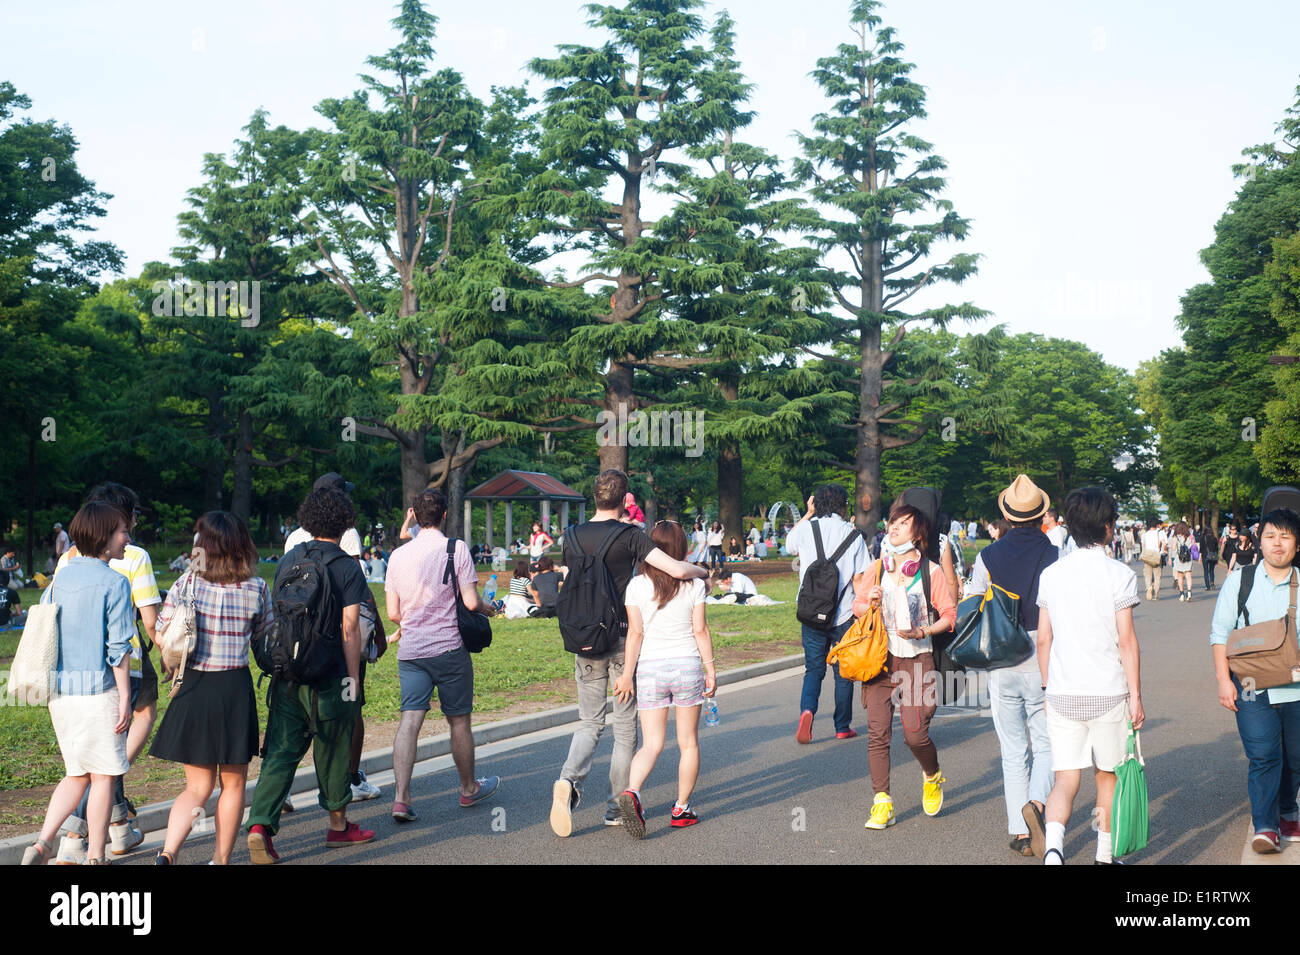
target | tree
x=880, y=182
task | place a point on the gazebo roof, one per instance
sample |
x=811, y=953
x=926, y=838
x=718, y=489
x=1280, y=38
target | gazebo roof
x=524, y=486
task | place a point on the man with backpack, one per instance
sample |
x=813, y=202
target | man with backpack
x=833, y=562
x=313, y=653
x=432, y=656
x=601, y=556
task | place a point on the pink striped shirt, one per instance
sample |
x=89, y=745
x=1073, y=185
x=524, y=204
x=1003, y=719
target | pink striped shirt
x=427, y=605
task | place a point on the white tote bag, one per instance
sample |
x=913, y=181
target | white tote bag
x=31, y=675
x=177, y=642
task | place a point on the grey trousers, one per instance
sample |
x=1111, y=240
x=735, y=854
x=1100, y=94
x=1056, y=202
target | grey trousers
x=595, y=677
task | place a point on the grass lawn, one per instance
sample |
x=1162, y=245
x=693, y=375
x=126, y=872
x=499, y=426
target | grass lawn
x=525, y=669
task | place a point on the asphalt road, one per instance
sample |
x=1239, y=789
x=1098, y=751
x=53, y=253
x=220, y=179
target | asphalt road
x=763, y=798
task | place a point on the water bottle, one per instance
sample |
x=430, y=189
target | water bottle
x=711, y=712
x=490, y=589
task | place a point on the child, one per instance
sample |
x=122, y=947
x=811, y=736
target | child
x=671, y=653
x=1088, y=659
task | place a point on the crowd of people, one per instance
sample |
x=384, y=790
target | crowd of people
x=1065, y=709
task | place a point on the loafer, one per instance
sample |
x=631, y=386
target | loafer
x=353, y=835
x=487, y=785
x=1020, y=845
x=402, y=812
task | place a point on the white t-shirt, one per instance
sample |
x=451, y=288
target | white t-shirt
x=669, y=631
x=855, y=560
x=741, y=584
x=1082, y=592
x=715, y=538
x=1151, y=540
x=1057, y=536
x=350, y=542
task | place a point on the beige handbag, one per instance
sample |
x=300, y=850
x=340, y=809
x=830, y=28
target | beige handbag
x=1267, y=654
x=32, y=673
x=1150, y=557
x=177, y=642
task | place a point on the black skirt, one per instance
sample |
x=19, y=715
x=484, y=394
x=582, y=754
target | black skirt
x=212, y=720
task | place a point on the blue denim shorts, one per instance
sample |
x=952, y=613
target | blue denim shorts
x=678, y=681
x=451, y=674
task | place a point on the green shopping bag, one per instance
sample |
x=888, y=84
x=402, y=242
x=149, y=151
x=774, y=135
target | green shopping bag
x=1128, y=813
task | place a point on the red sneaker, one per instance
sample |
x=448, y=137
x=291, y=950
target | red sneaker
x=847, y=734
x=683, y=817
x=1290, y=830
x=353, y=835
x=260, y=849
x=1266, y=841
x=804, y=733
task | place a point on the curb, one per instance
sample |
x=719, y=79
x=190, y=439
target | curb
x=153, y=817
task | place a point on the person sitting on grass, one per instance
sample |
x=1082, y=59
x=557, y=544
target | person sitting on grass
x=544, y=589
x=670, y=651
x=519, y=603
x=738, y=585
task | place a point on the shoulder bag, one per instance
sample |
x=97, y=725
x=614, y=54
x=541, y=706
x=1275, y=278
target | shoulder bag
x=1267, y=653
x=32, y=675
x=178, y=641
x=475, y=628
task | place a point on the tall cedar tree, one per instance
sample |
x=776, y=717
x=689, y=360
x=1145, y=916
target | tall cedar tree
x=880, y=181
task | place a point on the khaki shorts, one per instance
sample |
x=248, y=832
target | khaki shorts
x=1078, y=744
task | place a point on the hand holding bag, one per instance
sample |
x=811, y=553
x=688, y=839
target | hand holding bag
x=475, y=628
x=180, y=637
x=32, y=674
x=989, y=633
x=1129, y=821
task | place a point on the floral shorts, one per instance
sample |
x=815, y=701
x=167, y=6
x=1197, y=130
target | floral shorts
x=678, y=681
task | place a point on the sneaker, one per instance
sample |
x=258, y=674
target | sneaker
x=353, y=835
x=564, y=799
x=847, y=734
x=1266, y=841
x=1290, y=830
x=613, y=817
x=804, y=733
x=164, y=858
x=487, y=785
x=932, y=793
x=38, y=853
x=684, y=817
x=260, y=849
x=1037, y=824
x=402, y=812
x=365, y=789
x=629, y=806
x=882, y=812
x=1111, y=862
x=123, y=837
x=72, y=850
x=288, y=804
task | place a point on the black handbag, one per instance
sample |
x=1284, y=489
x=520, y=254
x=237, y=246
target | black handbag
x=989, y=635
x=475, y=628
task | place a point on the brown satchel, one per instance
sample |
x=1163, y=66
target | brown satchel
x=1266, y=654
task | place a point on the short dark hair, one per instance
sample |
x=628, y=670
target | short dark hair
x=544, y=564
x=1002, y=525
x=830, y=499
x=430, y=507
x=1054, y=514
x=920, y=522
x=94, y=524
x=326, y=513
x=521, y=569
x=1087, y=512
x=226, y=547
x=1284, y=519
x=119, y=495
x=609, y=489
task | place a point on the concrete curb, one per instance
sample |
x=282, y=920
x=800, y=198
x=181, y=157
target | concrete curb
x=154, y=817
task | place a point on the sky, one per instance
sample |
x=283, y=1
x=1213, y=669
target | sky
x=1090, y=144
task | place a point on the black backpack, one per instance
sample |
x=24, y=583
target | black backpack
x=591, y=612
x=819, y=591
x=1184, y=553
x=304, y=643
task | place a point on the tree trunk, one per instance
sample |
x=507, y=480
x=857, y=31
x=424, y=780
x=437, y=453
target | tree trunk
x=241, y=499
x=620, y=403
x=454, y=486
x=415, y=469
x=730, y=476
x=871, y=377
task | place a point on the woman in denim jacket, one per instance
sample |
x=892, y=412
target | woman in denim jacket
x=91, y=704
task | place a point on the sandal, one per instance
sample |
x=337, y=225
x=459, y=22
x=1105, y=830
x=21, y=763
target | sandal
x=1022, y=846
x=38, y=853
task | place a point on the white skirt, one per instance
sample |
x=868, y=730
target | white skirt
x=84, y=726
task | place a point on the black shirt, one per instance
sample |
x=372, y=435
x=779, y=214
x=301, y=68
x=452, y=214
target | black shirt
x=547, y=585
x=624, y=554
x=346, y=579
x=8, y=600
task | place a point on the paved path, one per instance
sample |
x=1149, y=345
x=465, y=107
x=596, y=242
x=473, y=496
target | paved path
x=764, y=798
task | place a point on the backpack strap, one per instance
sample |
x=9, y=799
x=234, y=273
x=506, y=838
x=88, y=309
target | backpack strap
x=817, y=538
x=451, y=557
x=1244, y=587
x=925, y=584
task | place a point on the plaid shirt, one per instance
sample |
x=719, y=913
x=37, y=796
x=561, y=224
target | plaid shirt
x=229, y=615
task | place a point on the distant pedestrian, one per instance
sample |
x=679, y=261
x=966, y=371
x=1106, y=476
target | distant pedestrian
x=1209, y=555
x=538, y=541
x=1244, y=551
x=1179, y=549
x=1152, y=571
x=715, y=546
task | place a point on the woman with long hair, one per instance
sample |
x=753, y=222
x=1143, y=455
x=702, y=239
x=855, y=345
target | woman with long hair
x=715, y=545
x=670, y=652
x=1180, y=543
x=210, y=727
x=519, y=602
x=538, y=541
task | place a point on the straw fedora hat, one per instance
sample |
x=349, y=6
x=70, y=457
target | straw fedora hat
x=1023, y=500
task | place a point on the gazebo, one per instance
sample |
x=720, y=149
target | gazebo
x=531, y=486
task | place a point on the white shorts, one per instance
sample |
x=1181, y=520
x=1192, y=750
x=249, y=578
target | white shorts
x=1078, y=744
x=84, y=726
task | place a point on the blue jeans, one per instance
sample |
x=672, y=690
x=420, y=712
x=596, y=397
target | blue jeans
x=1017, y=700
x=1270, y=734
x=816, y=644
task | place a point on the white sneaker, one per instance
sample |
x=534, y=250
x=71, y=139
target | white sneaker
x=123, y=837
x=72, y=850
x=288, y=804
x=366, y=789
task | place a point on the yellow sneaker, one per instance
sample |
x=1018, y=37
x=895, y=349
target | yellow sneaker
x=882, y=812
x=932, y=793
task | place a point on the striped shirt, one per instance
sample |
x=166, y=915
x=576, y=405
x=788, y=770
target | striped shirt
x=519, y=586
x=228, y=615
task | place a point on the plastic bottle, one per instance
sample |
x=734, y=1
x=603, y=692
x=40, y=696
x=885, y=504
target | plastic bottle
x=711, y=712
x=490, y=588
